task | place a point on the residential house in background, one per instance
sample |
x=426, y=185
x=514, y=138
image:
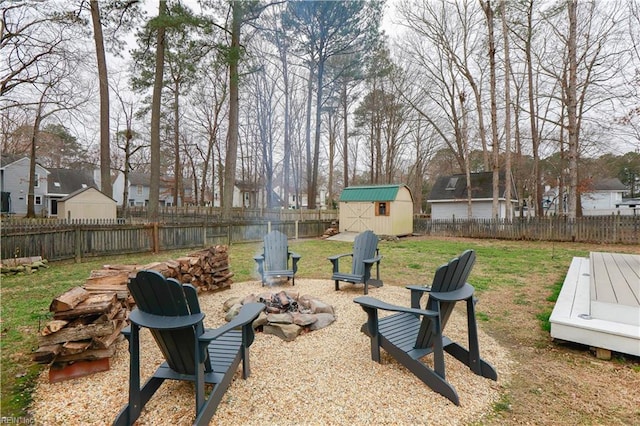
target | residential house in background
x=449, y=199
x=139, y=187
x=603, y=197
x=14, y=184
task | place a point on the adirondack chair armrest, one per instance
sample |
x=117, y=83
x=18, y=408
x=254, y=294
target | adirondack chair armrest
x=335, y=260
x=373, y=303
x=162, y=322
x=373, y=260
x=338, y=256
x=463, y=293
x=259, y=258
x=247, y=315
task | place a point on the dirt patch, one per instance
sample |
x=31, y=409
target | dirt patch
x=554, y=382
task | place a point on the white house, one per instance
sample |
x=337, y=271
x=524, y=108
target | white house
x=449, y=199
x=604, y=197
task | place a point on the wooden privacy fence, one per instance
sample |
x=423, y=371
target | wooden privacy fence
x=614, y=229
x=198, y=214
x=58, y=241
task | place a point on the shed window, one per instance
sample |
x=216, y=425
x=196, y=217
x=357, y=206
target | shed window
x=451, y=185
x=382, y=208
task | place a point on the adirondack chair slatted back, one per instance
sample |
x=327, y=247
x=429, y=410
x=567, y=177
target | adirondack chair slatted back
x=167, y=297
x=364, y=247
x=449, y=277
x=276, y=251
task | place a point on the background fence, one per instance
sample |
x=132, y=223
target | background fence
x=57, y=240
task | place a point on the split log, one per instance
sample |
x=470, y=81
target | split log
x=72, y=348
x=88, y=355
x=68, y=300
x=81, y=332
x=106, y=341
x=95, y=304
x=53, y=326
x=46, y=354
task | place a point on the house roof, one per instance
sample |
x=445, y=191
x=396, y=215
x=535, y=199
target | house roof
x=608, y=184
x=454, y=187
x=370, y=193
x=64, y=181
x=81, y=190
x=8, y=159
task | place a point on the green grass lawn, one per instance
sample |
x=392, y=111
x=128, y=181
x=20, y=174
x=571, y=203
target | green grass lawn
x=26, y=298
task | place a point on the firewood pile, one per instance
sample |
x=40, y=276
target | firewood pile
x=206, y=269
x=87, y=320
x=330, y=232
x=27, y=265
x=84, y=327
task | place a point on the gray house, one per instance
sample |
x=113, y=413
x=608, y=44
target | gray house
x=14, y=183
x=139, y=186
x=449, y=199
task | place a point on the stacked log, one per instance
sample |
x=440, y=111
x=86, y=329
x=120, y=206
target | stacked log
x=84, y=327
x=206, y=270
x=27, y=265
x=87, y=320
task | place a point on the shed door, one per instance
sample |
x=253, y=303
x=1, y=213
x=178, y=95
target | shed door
x=357, y=217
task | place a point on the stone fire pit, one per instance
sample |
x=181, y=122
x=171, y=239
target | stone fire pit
x=286, y=315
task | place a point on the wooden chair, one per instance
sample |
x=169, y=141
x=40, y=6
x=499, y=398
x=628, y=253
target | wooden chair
x=276, y=257
x=365, y=254
x=412, y=333
x=171, y=312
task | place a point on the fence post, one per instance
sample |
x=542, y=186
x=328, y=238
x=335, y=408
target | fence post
x=78, y=243
x=155, y=238
x=204, y=235
x=296, y=229
x=229, y=234
x=268, y=227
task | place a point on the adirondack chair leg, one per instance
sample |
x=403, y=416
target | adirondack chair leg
x=246, y=367
x=138, y=397
x=428, y=376
x=372, y=331
x=337, y=286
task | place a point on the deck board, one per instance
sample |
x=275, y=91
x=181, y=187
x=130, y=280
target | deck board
x=598, y=319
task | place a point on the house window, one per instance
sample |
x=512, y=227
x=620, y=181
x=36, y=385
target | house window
x=37, y=184
x=451, y=185
x=382, y=209
x=38, y=200
x=139, y=189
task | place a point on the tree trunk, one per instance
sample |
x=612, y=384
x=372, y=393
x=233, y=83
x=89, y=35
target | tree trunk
x=507, y=113
x=345, y=136
x=105, y=153
x=533, y=116
x=571, y=99
x=154, y=185
x=177, y=175
x=234, y=108
x=495, y=149
x=313, y=187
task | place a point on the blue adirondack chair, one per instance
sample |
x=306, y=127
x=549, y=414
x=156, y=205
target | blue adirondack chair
x=365, y=254
x=277, y=260
x=412, y=333
x=171, y=312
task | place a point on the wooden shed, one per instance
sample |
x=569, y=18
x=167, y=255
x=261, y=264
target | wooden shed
x=383, y=209
x=87, y=203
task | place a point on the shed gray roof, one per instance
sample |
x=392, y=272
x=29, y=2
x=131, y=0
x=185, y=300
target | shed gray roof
x=81, y=190
x=65, y=181
x=454, y=187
